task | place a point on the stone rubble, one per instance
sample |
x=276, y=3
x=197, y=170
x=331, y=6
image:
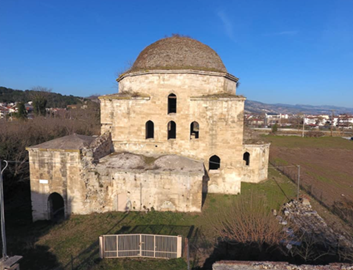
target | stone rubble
x=301, y=215
x=243, y=265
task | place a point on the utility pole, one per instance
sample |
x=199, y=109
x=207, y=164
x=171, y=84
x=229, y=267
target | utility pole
x=6, y=262
x=332, y=119
x=3, y=233
x=303, y=125
x=298, y=187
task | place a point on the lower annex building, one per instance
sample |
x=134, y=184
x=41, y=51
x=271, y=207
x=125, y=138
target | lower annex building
x=173, y=132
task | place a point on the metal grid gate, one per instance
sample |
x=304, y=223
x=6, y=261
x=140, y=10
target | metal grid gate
x=140, y=245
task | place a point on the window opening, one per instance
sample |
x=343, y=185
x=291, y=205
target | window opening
x=214, y=163
x=171, y=130
x=194, y=130
x=246, y=158
x=149, y=130
x=172, y=103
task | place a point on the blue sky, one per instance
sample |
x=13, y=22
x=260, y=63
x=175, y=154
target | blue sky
x=283, y=51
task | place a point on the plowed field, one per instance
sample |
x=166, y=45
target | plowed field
x=326, y=164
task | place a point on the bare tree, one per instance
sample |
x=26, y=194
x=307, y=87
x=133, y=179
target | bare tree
x=248, y=221
x=308, y=246
x=15, y=136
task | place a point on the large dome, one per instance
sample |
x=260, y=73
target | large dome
x=178, y=53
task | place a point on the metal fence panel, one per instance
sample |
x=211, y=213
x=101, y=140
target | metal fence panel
x=128, y=245
x=147, y=246
x=140, y=245
x=110, y=246
x=166, y=247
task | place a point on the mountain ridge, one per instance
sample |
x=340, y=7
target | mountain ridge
x=255, y=107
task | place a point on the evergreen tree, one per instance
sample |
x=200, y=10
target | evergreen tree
x=274, y=128
x=21, y=111
x=39, y=105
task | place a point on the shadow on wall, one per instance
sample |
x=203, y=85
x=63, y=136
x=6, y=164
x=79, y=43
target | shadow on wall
x=22, y=234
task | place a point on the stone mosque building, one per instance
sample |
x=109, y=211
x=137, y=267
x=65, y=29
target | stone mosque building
x=173, y=132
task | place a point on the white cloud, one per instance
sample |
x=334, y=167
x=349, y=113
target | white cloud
x=283, y=33
x=227, y=24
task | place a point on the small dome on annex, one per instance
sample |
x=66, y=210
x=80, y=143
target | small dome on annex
x=178, y=53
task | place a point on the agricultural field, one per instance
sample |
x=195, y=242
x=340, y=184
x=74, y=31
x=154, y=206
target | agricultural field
x=326, y=164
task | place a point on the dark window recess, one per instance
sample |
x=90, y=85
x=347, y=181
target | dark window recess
x=214, y=163
x=194, y=130
x=246, y=158
x=171, y=130
x=149, y=130
x=172, y=103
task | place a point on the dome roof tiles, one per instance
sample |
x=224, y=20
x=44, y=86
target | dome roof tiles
x=178, y=53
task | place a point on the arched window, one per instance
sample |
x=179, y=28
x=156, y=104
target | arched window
x=172, y=103
x=194, y=130
x=246, y=158
x=149, y=130
x=171, y=130
x=56, y=206
x=214, y=163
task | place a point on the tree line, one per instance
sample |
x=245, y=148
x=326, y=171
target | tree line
x=54, y=100
x=20, y=133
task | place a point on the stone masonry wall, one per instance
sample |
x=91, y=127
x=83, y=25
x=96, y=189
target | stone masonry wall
x=257, y=170
x=109, y=190
x=87, y=187
x=53, y=171
x=209, y=100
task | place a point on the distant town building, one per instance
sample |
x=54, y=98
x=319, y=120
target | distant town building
x=274, y=118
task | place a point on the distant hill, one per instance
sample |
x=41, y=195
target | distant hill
x=54, y=100
x=259, y=107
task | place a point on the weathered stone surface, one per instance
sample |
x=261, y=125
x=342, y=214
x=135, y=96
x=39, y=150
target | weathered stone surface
x=244, y=265
x=123, y=170
x=74, y=141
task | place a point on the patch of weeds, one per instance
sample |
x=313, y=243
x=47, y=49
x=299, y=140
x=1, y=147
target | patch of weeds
x=279, y=161
x=149, y=160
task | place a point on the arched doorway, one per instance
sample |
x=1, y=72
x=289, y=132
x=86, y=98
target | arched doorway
x=56, y=206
